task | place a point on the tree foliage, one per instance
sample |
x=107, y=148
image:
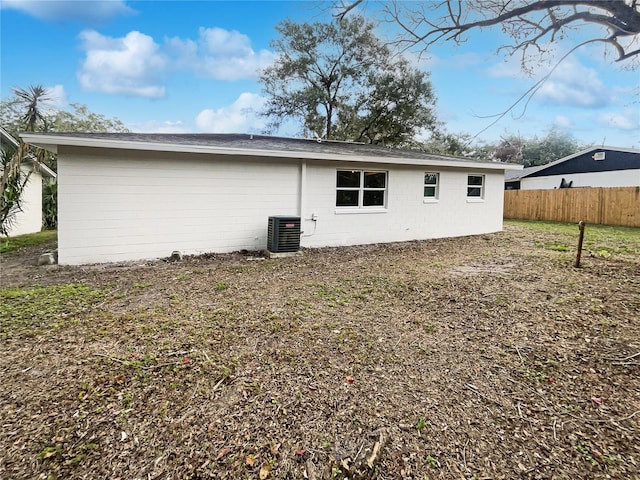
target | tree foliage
x=339, y=81
x=31, y=102
x=30, y=109
x=531, y=24
x=447, y=143
x=13, y=157
x=12, y=182
x=536, y=151
x=77, y=119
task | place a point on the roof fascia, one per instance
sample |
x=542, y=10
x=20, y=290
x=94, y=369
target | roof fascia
x=51, y=143
x=8, y=137
x=29, y=158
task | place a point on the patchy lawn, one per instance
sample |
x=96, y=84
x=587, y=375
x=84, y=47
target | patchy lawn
x=46, y=237
x=477, y=357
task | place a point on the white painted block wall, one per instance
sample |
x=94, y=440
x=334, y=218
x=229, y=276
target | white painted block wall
x=125, y=205
x=407, y=216
x=29, y=220
x=136, y=205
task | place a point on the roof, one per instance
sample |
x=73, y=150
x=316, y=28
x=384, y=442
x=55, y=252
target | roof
x=614, y=159
x=257, y=146
x=44, y=169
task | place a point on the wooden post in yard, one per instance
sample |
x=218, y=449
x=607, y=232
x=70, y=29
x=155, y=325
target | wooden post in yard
x=581, y=226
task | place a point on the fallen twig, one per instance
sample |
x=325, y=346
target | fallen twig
x=610, y=420
x=183, y=352
x=375, y=455
x=111, y=358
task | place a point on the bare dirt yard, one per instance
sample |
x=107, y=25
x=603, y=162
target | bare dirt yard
x=485, y=357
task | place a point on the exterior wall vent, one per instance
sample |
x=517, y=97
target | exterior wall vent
x=283, y=234
x=599, y=155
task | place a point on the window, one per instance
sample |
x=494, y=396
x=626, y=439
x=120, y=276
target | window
x=475, y=186
x=431, y=184
x=360, y=189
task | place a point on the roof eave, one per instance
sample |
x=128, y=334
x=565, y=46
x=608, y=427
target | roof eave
x=52, y=142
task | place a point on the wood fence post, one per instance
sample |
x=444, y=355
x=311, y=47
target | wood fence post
x=580, y=238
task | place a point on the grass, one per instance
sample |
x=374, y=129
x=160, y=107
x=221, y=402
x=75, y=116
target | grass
x=296, y=364
x=31, y=310
x=601, y=240
x=13, y=243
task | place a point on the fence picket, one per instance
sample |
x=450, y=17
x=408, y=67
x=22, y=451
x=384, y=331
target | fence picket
x=604, y=206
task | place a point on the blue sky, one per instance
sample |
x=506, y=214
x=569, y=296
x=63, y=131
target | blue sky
x=181, y=66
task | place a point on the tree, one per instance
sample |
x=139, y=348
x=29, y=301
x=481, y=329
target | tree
x=447, y=143
x=14, y=180
x=509, y=149
x=78, y=119
x=81, y=119
x=530, y=23
x=553, y=146
x=536, y=151
x=340, y=82
x=31, y=100
x=30, y=109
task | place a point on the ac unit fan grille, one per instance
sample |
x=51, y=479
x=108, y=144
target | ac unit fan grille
x=283, y=235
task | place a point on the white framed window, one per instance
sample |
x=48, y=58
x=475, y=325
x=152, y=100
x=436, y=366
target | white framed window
x=361, y=189
x=431, y=186
x=475, y=187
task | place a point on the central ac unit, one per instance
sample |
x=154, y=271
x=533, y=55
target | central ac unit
x=283, y=234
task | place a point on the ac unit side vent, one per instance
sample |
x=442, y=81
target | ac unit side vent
x=283, y=235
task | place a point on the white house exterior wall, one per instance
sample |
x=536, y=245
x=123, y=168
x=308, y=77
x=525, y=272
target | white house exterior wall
x=407, y=216
x=120, y=205
x=616, y=178
x=117, y=205
x=29, y=220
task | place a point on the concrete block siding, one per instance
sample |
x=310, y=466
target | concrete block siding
x=117, y=205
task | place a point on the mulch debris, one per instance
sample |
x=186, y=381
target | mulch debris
x=483, y=357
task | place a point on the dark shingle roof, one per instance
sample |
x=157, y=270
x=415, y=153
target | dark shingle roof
x=265, y=143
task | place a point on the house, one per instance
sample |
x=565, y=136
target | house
x=592, y=167
x=128, y=196
x=29, y=219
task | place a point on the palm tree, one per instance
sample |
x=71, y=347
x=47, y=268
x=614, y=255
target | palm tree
x=13, y=180
x=33, y=99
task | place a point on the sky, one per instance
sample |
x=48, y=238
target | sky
x=193, y=66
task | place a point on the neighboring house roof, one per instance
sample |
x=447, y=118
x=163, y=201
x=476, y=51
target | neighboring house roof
x=515, y=175
x=44, y=169
x=592, y=159
x=257, y=146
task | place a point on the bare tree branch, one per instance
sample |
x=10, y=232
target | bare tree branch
x=526, y=96
x=528, y=22
x=345, y=8
x=533, y=26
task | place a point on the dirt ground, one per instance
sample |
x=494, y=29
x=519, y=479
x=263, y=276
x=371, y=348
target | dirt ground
x=486, y=357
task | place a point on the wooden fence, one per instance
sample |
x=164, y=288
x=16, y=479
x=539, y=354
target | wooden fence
x=604, y=206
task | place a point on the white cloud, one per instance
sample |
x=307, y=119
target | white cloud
x=130, y=65
x=135, y=64
x=92, y=12
x=562, y=122
x=574, y=85
x=58, y=97
x=239, y=117
x=220, y=54
x=570, y=84
x=627, y=119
